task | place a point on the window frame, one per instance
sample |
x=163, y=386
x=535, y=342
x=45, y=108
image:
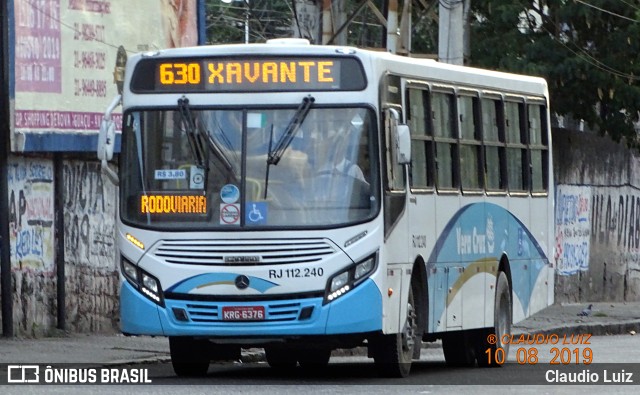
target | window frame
x=426, y=138
x=521, y=145
x=501, y=141
x=542, y=146
x=475, y=142
x=498, y=104
x=452, y=140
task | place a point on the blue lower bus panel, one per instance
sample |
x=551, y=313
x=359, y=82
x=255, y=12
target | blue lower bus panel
x=358, y=311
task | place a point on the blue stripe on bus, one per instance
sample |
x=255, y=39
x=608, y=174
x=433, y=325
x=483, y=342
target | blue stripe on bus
x=209, y=279
x=490, y=230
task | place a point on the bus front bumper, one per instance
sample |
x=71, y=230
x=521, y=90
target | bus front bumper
x=358, y=311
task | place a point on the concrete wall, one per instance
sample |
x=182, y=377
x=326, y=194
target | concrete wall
x=597, y=219
x=90, y=255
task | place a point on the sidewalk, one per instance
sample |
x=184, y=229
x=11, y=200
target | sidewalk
x=116, y=349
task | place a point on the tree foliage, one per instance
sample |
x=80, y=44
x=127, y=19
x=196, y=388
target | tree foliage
x=280, y=18
x=589, y=52
x=267, y=19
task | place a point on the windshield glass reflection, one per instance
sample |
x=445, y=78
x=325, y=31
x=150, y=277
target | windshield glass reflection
x=323, y=173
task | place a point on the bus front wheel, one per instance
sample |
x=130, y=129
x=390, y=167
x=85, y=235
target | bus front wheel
x=314, y=358
x=189, y=357
x=392, y=354
x=281, y=358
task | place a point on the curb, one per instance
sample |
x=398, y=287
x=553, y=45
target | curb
x=255, y=355
x=595, y=329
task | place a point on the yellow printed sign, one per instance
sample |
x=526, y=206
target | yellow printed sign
x=173, y=204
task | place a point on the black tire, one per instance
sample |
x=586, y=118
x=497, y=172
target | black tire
x=502, y=316
x=459, y=350
x=315, y=358
x=281, y=358
x=189, y=357
x=392, y=354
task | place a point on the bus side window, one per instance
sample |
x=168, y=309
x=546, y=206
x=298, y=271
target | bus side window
x=517, y=163
x=445, y=132
x=493, y=140
x=422, y=166
x=394, y=188
x=470, y=143
x=395, y=174
x=538, y=146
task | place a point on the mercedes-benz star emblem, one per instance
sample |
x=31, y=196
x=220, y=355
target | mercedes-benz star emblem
x=242, y=282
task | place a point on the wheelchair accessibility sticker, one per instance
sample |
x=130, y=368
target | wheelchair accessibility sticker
x=256, y=213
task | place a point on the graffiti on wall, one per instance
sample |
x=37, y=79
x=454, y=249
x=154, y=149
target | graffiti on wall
x=573, y=228
x=89, y=215
x=616, y=222
x=616, y=217
x=31, y=214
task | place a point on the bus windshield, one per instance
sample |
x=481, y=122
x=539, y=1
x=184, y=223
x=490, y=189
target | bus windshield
x=193, y=168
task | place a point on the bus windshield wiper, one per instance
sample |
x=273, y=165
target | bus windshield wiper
x=195, y=139
x=275, y=154
x=290, y=132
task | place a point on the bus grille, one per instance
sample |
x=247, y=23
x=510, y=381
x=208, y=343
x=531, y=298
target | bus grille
x=200, y=312
x=243, y=252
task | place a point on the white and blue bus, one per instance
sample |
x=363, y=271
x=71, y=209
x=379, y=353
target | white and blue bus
x=306, y=198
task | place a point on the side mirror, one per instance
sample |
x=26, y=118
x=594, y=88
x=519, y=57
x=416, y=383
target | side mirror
x=402, y=142
x=107, y=141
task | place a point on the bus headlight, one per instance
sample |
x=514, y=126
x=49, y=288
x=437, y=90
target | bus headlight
x=351, y=277
x=365, y=267
x=130, y=271
x=148, y=285
x=339, y=281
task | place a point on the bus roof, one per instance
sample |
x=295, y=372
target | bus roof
x=379, y=62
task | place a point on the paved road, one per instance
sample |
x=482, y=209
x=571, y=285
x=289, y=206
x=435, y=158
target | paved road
x=355, y=374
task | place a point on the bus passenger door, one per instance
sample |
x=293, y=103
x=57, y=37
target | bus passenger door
x=396, y=224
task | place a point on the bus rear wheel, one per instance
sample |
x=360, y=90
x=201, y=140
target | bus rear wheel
x=495, y=353
x=392, y=354
x=189, y=357
x=458, y=349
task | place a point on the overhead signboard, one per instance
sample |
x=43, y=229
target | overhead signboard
x=64, y=52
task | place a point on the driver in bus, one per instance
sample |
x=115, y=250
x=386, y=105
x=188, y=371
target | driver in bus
x=337, y=176
x=338, y=153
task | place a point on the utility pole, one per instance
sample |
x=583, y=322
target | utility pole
x=5, y=131
x=335, y=21
x=451, y=31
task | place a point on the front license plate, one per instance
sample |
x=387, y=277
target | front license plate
x=243, y=313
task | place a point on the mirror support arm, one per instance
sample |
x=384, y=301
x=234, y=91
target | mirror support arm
x=106, y=141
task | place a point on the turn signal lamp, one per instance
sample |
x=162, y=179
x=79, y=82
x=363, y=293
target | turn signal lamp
x=135, y=241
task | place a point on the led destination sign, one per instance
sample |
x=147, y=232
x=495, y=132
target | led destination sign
x=247, y=75
x=173, y=204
